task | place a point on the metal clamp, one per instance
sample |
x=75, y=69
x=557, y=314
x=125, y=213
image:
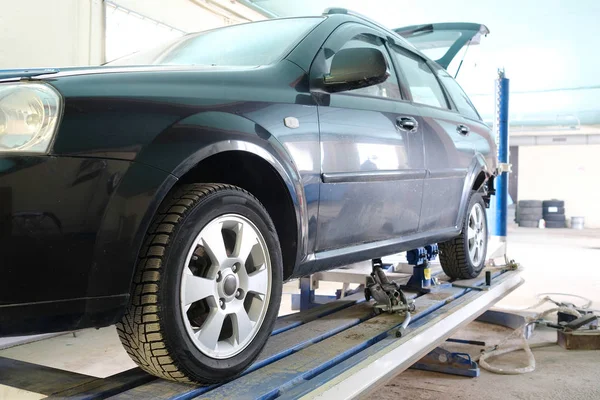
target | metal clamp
x=504, y=167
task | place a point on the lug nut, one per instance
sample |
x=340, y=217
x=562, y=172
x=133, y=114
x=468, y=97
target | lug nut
x=219, y=276
x=239, y=294
x=234, y=268
x=222, y=303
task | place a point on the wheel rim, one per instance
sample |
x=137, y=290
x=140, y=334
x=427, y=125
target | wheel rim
x=476, y=234
x=225, y=286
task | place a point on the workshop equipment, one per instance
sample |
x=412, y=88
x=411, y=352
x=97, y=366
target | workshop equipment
x=336, y=350
x=387, y=294
x=421, y=280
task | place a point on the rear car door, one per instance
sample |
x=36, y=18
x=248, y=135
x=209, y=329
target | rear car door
x=448, y=151
x=371, y=161
x=447, y=44
x=479, y=135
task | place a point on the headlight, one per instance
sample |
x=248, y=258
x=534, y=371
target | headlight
x=29, y=114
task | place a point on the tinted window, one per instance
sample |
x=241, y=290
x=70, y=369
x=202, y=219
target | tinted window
x=257, y=43
x=464, y=105
x=389, y=88
x=422, y=83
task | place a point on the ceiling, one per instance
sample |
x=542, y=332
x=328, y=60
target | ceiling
x=543, y=46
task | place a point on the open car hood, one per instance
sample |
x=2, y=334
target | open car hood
x=442, y=42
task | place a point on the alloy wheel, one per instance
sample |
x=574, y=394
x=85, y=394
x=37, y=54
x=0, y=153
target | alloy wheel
x=225, y=286
x=476, y=234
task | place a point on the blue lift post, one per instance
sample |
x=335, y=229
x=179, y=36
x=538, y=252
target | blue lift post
x=501, y=136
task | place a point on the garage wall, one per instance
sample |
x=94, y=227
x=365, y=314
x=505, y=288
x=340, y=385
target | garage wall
x=36, y=33
x=568, y=173
x=192, y=15
x=58, y=33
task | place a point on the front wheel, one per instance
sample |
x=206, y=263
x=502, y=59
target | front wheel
x=207, y=288
x=464, y=256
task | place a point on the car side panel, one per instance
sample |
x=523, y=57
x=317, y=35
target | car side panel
x=483, y=143
x=68, y=227
x=372, y=172
x=448, y=156
x=171, y=120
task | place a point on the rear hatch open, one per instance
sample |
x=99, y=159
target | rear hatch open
x=444, y=41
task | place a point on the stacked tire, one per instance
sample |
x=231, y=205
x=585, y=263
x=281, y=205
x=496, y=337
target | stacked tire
x=529, y=213
x=554, y=213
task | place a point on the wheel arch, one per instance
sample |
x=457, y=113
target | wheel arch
x=477, y=175
x=265, y=176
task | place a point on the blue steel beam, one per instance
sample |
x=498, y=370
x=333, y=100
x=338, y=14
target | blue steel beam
x=501, y=133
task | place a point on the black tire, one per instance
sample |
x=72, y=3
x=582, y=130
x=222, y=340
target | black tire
x=530, y=218
x=555, y=217
x=530, y=203
x=528, y=224
x=530, y=211
x=152, y=329
x=553, y=203
x=555, y=210
x=556, y=224
x=454, y=253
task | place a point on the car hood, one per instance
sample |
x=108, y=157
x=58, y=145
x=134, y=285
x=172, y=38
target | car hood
x=42, y=73
x=442, y=42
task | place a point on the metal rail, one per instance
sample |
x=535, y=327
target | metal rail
x=398, y=355
x=337, y=350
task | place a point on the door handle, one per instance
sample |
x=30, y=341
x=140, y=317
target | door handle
x=407, y=124
x=463, y=129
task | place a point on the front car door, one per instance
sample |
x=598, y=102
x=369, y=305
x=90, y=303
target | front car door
x=372, y=164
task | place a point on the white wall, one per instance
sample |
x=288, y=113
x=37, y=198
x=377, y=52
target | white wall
x=191, y=15
x=35, y=33
x=56, y=33
x=136, y=25
x=568, y=173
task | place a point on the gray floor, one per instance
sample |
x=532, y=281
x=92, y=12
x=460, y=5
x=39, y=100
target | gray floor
x=559, y=374
x=553, y=261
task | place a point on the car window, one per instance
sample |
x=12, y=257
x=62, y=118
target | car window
x=421, y=80
x=464, y=105
x=249, y=44
x=389, y=88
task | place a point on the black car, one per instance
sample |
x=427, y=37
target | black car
x=173, y=191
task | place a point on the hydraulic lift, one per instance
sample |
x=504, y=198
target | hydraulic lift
x=342, y=349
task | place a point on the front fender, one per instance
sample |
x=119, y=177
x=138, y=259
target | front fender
x=200, y=136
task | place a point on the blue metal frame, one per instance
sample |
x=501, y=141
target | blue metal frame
x=501, y=132
x=325, y=347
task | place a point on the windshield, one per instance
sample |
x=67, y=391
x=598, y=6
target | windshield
x=252, y=44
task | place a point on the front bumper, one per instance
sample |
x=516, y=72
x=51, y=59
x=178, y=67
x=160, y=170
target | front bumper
x=70, y=229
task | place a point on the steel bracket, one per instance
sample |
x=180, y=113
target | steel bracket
x=504, y=167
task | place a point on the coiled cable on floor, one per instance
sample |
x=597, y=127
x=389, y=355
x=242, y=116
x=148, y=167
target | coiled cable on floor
x=567, y=308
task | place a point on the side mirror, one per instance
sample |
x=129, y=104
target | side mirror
x=356, y=68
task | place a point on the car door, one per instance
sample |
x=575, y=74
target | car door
x=371, y=153
x=479, y=134
x=448, y=150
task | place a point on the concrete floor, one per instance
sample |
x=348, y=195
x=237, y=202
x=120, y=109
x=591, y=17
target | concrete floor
x=553, y=261
x=559, y=374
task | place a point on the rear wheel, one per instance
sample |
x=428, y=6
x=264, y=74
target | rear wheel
x=464, y=256
x=208, y=286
